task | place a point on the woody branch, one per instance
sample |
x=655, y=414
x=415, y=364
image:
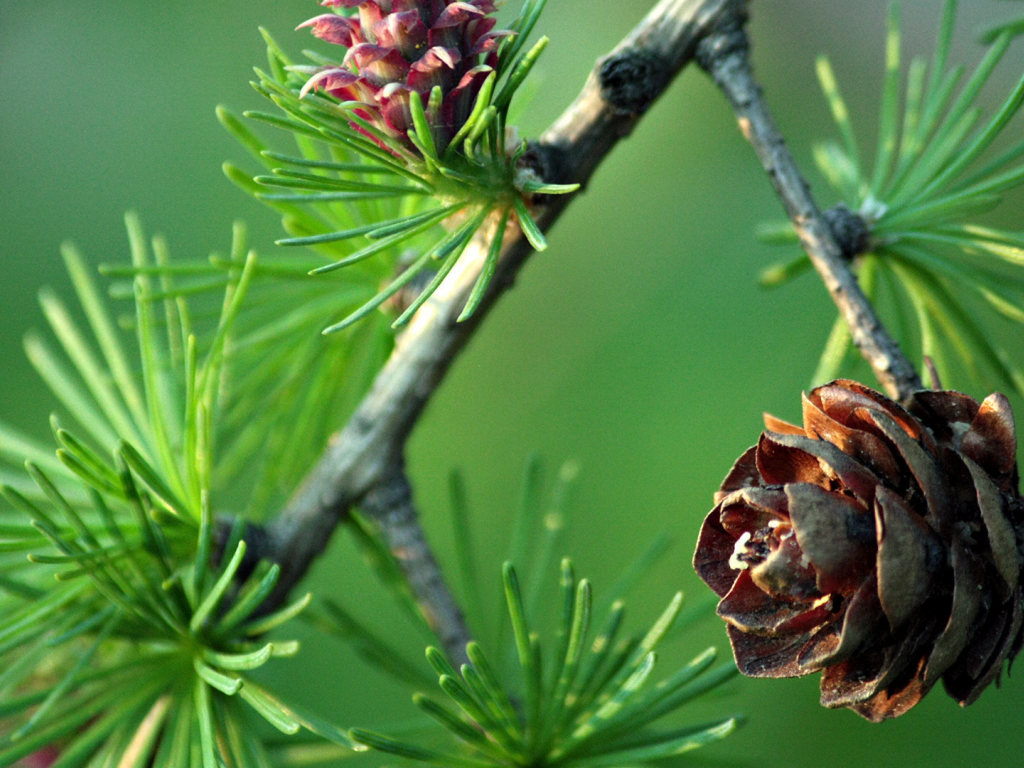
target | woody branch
x=364, y=463
x=725, y=55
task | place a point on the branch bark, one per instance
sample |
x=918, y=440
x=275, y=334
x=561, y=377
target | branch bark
x=725, y=55
x=390, y=504
x=367, y=454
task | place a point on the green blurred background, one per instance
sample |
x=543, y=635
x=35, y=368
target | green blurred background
x=638, y=344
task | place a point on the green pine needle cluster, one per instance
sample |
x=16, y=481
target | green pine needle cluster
x=589, y=701
x=126, y=656
x=935, y=172
x=147, y=401
x=129, y=630
x=277, y=355
x=590, y=707
x=353, y=194
x=121, y=638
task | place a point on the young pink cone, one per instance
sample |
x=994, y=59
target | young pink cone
x=397, y=47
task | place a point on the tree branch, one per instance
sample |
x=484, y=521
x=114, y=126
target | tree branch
x=725, y=56
x=368, y=453
x=390, y=504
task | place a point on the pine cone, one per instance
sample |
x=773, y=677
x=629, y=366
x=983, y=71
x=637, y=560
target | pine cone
x=878, y=545
x=400, y=46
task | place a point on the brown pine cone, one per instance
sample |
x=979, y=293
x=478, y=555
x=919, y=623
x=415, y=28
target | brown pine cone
x=881, y=546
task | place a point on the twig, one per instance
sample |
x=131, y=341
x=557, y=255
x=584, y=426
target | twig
x=368, y=452
x=390, y=504
x=725, y=56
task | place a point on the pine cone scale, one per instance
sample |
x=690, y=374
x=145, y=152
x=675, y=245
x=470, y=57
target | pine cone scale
x=783, y=459
x=923, y=469
x=968, y=678
x=991, y=440
x=763, y=656
x=750, y=609
x=864, y=446
x=744, y=474
x=835, y=532
x=876, y=544
x=863, y=615
x=714, y=546
x=909, y=558
x=962, y=616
